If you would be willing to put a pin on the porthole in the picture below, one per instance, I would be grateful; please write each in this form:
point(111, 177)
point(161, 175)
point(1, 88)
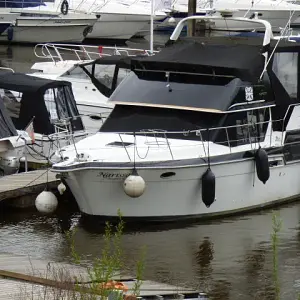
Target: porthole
point(167, 175)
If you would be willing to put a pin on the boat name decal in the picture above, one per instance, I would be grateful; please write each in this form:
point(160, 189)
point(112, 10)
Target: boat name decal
point(112, 176)
point(62, 21)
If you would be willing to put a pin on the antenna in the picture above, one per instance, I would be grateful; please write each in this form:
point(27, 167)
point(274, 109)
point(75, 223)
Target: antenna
point(151, 25)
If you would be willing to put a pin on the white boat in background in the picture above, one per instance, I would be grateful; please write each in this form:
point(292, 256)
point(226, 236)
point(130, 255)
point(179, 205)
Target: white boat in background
point(50, 108)
point(117, 20)
point(75, 65)
point(276, 12)
point(41, 22)
point(206, 127)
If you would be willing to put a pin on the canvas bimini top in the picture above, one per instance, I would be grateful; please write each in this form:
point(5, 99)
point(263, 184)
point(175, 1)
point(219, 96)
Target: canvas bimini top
point(242, 61)
point(28, 84)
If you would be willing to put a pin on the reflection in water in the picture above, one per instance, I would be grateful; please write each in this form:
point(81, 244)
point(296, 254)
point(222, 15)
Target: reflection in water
point(205, 255)
point(230, 259)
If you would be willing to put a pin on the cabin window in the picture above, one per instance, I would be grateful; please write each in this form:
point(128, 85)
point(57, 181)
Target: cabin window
point(11, 100)
point(285, 66)
point(105, 74)
point(121, 75)
point(76, 72)
point(60, 104)
point(49, 98)
point(245, 127)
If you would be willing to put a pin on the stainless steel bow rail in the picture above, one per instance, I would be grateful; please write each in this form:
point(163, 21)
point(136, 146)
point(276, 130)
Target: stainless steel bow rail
point(64, 52)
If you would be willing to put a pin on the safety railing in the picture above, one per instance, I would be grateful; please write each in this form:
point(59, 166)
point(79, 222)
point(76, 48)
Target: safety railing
point(249, 135)
point(63, 52)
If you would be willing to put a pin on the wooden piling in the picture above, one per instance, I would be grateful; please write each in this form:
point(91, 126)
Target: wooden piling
point(192, 9)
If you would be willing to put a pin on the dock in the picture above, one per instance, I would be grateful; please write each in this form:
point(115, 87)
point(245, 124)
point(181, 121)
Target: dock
point(25, 278)
point(27, 183)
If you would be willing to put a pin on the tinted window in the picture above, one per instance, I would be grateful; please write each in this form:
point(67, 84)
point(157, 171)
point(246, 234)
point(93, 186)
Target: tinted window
point(285, 66)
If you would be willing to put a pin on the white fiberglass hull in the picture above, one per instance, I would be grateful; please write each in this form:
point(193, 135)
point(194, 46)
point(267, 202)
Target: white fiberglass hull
point(118, 26)
point(41, 29)
point(277, 18)
point(99, 191)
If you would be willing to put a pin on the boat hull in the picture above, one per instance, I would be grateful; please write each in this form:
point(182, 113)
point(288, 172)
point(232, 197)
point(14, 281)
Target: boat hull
point(44, 34)
point(118, 26)
point(277, 18)
point(39, 29)
point(99, 191)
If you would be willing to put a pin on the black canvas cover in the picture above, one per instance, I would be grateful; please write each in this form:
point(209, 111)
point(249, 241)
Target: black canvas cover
point(34, 104)
point(126, 118)
point(7, 127)
point(179, 95)
point(23, 83)
point(243, 61)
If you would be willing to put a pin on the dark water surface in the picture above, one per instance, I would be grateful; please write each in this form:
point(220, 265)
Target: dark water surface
point(231, 259)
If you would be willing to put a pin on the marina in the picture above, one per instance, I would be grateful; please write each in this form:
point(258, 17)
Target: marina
point(149, 150)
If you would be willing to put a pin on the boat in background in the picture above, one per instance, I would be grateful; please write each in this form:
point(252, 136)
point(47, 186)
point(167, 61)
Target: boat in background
point(7, 21)
point(117, 20)
point(38, 22)
point(49, 105)
point(206, 127)
point(94, 71)
point(277, 12)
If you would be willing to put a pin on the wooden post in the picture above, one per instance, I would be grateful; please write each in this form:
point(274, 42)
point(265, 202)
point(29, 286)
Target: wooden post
point(192, 8)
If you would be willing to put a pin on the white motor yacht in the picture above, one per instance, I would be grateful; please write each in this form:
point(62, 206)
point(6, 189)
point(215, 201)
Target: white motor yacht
point(117, 20)
point(41, 22)
point(206, 127)
point(94, 71)
point(277, 12)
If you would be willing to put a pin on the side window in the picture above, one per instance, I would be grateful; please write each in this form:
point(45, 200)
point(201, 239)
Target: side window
point(285, 66)
point(244, 127)
point(49, 98)
point(104, 74)
point(12, 102)
point(121, 75)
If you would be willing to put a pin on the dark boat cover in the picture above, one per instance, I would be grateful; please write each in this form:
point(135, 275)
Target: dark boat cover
point(28, 84)
point(187, 96)
point(34, 104)
point(243, 61)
